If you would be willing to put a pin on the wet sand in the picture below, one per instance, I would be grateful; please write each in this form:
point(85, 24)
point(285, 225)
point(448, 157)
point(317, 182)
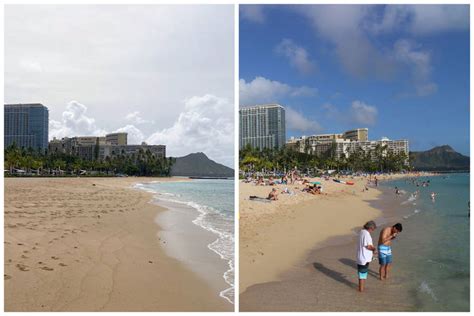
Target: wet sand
point(91, 244)
point(187, 242)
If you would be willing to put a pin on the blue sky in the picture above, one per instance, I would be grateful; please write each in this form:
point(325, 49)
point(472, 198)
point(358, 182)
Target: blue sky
point(401, 71)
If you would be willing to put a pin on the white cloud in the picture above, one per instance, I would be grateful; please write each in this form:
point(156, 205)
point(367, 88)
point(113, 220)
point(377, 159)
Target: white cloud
point(253, 13)
point(421, 19)
point(352, 30)
point(420, 62)
point(30, 65)
point(135, 117)
point(262, 90)
point(297, 55)
point(362, 113)
point(298, 122)
point(440, 18)
point(74, 122)
point(117, 59)
point(342, 26)
point(206, 125)
point(134, 137)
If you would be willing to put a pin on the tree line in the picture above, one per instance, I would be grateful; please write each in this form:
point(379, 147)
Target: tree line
point(30, 161)
point(379, 159)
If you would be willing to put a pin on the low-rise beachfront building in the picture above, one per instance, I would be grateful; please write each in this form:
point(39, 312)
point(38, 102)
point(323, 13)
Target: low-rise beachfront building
point(262, 126)
point(26, 125)
point(345, 144)
point(358, 134)
point(116, 139)
point(101, 147)
point(158, 151)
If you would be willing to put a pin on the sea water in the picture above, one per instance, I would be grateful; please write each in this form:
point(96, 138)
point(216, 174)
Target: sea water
point(214, 202)
point(431, 255)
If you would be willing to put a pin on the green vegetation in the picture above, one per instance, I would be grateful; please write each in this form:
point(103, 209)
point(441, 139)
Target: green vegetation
point(199, 165)
point(441, 158)
point(30, 161)
point(284, 159)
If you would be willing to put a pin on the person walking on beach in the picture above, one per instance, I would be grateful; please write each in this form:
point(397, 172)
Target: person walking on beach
point(385, 248)
point(365, 252)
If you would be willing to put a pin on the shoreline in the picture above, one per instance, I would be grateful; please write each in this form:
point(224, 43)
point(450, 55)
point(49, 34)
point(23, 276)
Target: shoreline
point(185, 238)
point(275, 294)
point(90, 244)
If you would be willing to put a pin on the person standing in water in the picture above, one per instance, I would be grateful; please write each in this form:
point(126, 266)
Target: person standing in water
point(365, 252)
point(385, 248)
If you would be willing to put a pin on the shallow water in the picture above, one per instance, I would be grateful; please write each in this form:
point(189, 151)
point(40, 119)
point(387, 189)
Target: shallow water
point(214, 202)
point(433, 250)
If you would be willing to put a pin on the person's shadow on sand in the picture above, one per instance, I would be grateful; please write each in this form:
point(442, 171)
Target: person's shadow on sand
point(339, 277)
point(353, 264)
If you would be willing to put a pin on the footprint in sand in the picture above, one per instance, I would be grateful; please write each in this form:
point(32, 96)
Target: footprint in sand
point(47, 268)
point(22, 267)
point(62, 264)
point(54, 258)
point(6, 277)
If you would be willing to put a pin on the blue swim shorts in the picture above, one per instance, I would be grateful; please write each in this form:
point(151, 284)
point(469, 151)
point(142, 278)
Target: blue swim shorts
point(385, 255)
point(363, 270)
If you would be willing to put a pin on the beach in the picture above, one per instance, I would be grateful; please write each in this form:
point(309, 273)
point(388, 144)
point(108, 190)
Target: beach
point(198, 227)
point(92, 244)
point(298, 253)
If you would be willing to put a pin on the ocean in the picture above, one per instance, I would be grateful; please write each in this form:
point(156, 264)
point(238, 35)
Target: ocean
point(431, 255)
point(213, 201)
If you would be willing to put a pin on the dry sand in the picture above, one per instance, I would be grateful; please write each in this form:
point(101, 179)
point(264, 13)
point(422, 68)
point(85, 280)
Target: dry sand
point(286, 263)
point(90, 244)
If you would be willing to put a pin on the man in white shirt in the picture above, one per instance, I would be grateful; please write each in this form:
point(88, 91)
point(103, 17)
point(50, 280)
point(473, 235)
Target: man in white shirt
point(365, 252)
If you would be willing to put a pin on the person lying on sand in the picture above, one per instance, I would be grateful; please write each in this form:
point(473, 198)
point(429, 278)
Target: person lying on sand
point(273, 195)
point(385, 248)
point(365, 252)
point(315, 190)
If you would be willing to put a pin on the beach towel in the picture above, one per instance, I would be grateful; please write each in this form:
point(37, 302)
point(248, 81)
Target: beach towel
point(259, 199)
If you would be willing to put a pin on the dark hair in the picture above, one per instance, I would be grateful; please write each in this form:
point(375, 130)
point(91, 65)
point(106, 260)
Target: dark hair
point(370, 224)
point(398, 227)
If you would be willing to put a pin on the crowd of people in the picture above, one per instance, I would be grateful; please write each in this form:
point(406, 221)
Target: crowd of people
point(290, 178)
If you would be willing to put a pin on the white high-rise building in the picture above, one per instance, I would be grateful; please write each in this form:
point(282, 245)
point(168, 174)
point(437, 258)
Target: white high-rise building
point(262, 126)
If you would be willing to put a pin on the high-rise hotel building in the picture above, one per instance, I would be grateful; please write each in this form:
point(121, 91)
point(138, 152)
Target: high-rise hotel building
point(262, 126)
point(26, 125)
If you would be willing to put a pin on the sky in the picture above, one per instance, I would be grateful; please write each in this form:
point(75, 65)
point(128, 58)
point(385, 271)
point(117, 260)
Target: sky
point(402, 71)
point(164, 74)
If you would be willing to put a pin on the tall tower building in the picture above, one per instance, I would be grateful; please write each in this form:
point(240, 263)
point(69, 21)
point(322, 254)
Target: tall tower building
point(26, 125)
point(262, 126)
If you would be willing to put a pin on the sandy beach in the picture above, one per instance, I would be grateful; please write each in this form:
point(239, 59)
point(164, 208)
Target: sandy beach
point(297, 254)
point(91, 244)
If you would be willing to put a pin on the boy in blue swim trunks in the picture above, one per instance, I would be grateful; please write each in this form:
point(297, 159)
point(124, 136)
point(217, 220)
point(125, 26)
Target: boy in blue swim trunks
point(385, 248)
point(365, 252)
